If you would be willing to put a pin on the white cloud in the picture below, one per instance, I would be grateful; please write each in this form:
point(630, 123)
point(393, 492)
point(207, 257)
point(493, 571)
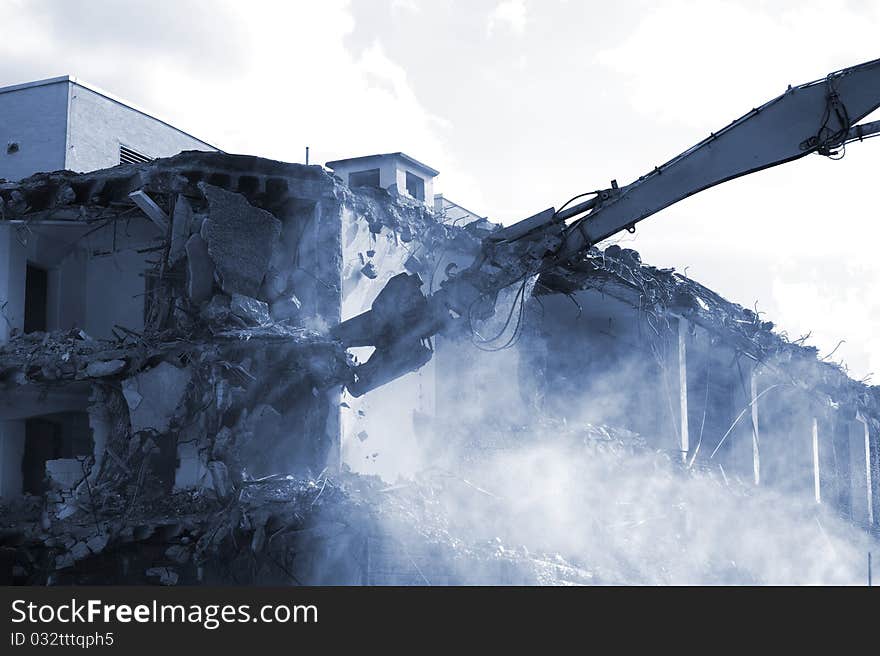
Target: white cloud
point(511, 13)
point(264, 78)
point(700, 62)
point(758, 237)
point(406, 5)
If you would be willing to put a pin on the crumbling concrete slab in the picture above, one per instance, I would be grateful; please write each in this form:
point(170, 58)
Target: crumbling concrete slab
point(153, 396)
point(240, 238)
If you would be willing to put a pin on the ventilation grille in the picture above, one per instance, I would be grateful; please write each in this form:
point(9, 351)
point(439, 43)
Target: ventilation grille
point(129, 156)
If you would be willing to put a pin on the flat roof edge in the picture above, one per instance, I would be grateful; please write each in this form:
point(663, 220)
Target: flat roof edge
point(132, 106)
point(412, 161)
point(105, 94)
point(36, 83)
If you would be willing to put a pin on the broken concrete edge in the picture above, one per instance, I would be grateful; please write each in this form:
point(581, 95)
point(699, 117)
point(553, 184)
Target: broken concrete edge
point(69, 196)
point(216, 204)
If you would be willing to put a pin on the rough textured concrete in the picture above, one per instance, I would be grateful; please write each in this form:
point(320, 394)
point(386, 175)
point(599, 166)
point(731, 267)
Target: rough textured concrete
point(240, 239)
point(153, 396)
point(249, 310)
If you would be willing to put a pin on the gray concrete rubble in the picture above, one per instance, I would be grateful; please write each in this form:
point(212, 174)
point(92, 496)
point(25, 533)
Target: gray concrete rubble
point(240, 239)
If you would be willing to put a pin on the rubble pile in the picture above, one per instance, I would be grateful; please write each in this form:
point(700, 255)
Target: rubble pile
point(344, 529)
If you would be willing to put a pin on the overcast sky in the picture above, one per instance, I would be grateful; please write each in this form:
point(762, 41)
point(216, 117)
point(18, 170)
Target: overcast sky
point(520, 104)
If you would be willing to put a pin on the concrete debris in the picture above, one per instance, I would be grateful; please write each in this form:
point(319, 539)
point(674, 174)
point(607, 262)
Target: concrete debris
point(65, 510)
point(217, 311)
point(249, 310)
point(102, 368)
point(223, 443)
point(179, 554)
point(97, 543)
point(369, 270)
point(220, 479)
point(154, 395)
point(286, 309)
point(414, 265)
point(240, 238)
point(64, 473)
point(80, 550)
point(186, 538)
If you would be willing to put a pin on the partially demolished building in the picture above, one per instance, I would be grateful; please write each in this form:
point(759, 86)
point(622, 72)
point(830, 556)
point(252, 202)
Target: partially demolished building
point(172, 408)
point(737, 396)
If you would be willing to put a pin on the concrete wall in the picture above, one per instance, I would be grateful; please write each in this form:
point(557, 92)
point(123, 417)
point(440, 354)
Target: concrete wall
point(54, 248)
point(98, 125)
point(379, 429)
point(114, 286)
point(95, 280)
point(35, 118)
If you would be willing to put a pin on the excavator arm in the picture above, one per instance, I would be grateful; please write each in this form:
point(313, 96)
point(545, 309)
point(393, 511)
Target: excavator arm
point(818, 117)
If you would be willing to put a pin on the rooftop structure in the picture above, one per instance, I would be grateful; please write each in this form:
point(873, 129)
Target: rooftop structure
point(395, 172)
